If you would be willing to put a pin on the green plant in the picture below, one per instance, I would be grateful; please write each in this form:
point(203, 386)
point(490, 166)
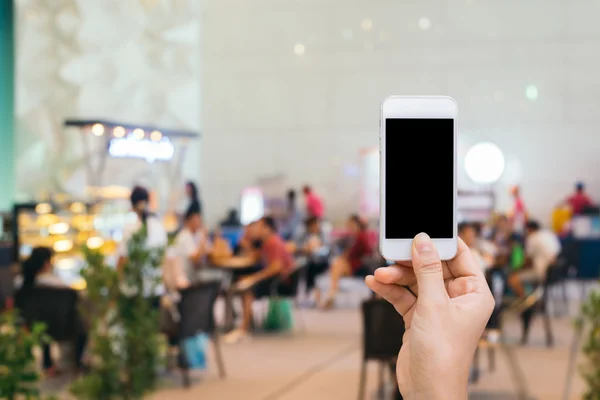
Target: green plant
point(124, 326)
point(591, 348)
point(18, 375)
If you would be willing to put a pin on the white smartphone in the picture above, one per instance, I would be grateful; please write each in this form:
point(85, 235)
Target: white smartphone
point(417, 143)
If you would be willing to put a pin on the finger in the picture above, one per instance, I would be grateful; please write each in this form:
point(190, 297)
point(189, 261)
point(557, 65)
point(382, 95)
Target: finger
point(404, 275)
point(464, 264)
point(400, 297)
point(428, 269)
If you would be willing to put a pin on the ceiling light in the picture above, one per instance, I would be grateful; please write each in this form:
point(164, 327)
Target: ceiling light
point(138, 134)
point(43, 208)
point(156, 136)
point(62, 246)
point(299, 49)
point(424, 23)
point(94, 242)
point(484, 163)
point(98, 129)
point(119, 132)
point(531, 92)
point(59, 228)
point(366, 24)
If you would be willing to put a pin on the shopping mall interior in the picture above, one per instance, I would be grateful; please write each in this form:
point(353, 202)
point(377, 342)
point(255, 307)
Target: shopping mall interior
point(190, 199)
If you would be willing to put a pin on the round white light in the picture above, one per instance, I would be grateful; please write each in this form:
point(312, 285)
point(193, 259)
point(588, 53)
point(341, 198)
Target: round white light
point(484, 163)
point(43, 208)
point(156, 136)
point(60, 228)
point(62, 246)
point(424, 23)
point(366, 24)
point(299, 49)
point(138, 134)
point(98, 129)
point(119, 132)
point(531, 92)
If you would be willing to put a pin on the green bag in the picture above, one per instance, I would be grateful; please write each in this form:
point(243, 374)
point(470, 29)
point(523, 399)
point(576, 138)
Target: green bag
point(279, 317)
point(517, 258)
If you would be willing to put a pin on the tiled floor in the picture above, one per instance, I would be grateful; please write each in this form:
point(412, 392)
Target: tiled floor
point(323, 363)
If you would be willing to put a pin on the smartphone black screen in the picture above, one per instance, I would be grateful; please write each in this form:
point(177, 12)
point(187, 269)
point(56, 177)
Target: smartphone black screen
point(419, 177)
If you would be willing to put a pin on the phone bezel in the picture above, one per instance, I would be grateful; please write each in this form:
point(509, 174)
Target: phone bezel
point(414, 107)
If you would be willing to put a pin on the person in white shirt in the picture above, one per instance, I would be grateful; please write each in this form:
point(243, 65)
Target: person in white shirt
point(156, 234)
point(542, 248)
point(468, 233)
point(190, 251)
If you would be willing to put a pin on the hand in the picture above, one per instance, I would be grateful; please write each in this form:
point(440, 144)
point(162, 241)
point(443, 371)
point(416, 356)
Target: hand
point(444, 318)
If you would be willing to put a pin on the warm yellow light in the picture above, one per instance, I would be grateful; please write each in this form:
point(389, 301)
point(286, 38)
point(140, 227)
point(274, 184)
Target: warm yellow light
point(77, 207)
point(66, 263)
point(138, 133)
point(98, 129)
point(367, 24)
point(95, 242)
point(119, 132)
point(156, 136)
point(43, 208)
point(62, 246)
point(59, 228)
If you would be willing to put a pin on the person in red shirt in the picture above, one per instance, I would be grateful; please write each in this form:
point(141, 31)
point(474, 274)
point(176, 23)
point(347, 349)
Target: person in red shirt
point(352, 261)
point(276, 261)
point(314, 204)
point(579, 200)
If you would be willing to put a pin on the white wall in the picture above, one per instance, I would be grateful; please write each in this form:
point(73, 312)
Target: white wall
point(267, 110)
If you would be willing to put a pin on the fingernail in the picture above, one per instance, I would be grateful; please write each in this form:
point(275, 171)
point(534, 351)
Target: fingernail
point(422, 243)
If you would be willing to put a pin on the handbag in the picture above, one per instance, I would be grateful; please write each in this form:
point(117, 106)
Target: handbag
point(279, 315)
point(194, 349)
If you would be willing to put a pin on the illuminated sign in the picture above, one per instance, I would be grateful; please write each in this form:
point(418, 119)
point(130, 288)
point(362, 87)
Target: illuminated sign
point(149, 150)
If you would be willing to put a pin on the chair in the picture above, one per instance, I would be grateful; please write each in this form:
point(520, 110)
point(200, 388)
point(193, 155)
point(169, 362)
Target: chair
point(57, 308)
point(383, 329)
point(196, 309)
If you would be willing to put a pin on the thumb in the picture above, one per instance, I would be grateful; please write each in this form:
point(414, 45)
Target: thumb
point(428, 270)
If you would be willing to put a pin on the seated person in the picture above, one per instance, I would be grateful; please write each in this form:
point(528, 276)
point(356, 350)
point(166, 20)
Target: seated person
point(541, 249)
point(37, 271)
point(313, 244)
point(276, 261)
point(352, 261)
point(468, 233)
point(188, 253)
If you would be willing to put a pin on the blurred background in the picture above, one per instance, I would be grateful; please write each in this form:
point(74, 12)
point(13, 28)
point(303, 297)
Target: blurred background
point(244, 102)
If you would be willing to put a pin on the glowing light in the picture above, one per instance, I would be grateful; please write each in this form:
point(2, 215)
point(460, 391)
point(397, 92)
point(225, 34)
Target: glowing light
point(424, 23)
point(119, 132)
point(156, 136)
point(138, 133)
point(77, 208)
point(94, 242)
point(484, 163)
point(98, 129)
point(299, 49)
point(146, 149)
point(366, 24)
point(62, 246)
point(531, 92)
point(59, 228)
point(66, 264)
point(43, 208)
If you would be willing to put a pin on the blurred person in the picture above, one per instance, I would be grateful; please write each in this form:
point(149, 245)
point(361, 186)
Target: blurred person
point(232, 220)
point(501, 233)
point(541, 249)
point(156, 235)
point(276, 261)
point(579, 200)
point(486, 248)
point(448, 304)
point(468, 233)
point(352, 261)
point(313, 244)
point(37, 270)
point(191, 249)
point(314, 203)
point(518, 213)
point(292, 218)
point(250, 243)
point(194, 202)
